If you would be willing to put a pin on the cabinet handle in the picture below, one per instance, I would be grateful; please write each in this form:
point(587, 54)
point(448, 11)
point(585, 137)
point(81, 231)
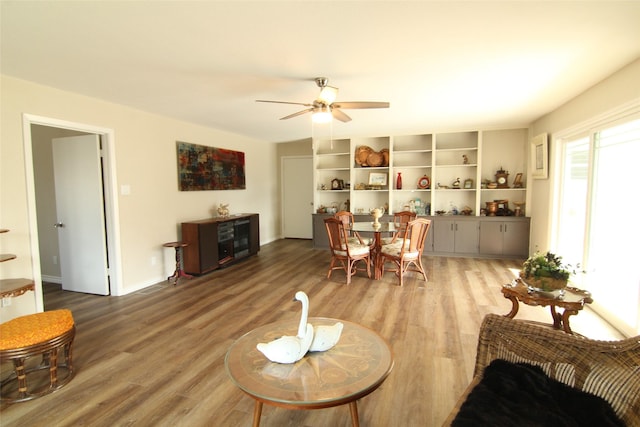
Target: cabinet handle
point(505, 228)
point(451, 227)
point(501, 228)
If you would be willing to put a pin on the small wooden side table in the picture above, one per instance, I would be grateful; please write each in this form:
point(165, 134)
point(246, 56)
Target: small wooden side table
point(572, 302)
point(179, 272)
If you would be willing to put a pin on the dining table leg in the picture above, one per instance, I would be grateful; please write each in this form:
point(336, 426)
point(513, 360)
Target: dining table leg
point(377, 257)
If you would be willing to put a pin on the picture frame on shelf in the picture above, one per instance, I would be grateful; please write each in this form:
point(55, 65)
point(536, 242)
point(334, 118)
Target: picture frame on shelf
point(540, 157)
point(378, 179)
point(517, 181)
point(468, 184)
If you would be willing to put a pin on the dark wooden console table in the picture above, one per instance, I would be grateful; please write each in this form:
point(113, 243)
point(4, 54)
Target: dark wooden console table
point(215, 242)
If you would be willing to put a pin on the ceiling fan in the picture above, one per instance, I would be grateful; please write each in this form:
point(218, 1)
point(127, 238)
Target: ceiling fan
point(325, 106)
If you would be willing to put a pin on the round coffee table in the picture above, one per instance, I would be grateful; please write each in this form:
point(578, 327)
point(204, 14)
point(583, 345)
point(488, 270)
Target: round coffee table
point(355, 367)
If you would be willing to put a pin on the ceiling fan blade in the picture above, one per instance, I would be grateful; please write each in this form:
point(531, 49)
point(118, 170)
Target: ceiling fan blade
point(285, 102)
point(339, 115)
point(299, 113)
point(360, 105)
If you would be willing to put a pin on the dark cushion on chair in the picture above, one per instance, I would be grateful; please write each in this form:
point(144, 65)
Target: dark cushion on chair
point(521, 395)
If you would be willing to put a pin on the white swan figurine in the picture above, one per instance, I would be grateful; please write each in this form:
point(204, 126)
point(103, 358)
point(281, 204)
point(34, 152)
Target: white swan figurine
point(289, 349)
point(326, 336)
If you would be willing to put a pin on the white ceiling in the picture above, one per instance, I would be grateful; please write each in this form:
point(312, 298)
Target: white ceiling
point(441, 65)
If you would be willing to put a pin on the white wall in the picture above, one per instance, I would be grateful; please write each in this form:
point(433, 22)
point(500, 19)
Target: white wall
point(618, 89)
point(145, 157)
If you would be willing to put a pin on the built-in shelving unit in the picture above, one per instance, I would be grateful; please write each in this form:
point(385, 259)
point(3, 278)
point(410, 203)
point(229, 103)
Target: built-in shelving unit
point(469, 158)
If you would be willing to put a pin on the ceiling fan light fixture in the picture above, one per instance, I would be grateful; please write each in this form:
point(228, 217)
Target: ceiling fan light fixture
point(328, 94)
point(322, 114)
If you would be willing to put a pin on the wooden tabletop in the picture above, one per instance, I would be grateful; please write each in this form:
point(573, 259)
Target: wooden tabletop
point(573, 298)
point(355, 367)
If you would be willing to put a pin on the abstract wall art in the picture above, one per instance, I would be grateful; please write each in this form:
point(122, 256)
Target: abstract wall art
point(203, 168)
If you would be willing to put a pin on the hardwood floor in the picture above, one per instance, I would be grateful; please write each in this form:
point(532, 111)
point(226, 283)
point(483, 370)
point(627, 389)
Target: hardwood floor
point(156, 357)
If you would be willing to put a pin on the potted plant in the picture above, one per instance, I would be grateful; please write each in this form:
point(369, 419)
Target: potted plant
point(545, 272)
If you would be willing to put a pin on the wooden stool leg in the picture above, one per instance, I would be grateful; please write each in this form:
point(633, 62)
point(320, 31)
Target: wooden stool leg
point(53, 368)
point(68, 356)
point(21, 375)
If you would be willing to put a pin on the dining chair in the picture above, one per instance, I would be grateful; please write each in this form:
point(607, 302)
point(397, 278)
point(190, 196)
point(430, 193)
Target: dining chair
point(346, 218)
point(345, 255)
point(406, 253)
point(401, 219)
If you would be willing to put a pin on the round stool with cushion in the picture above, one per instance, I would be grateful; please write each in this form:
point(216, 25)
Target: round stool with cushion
point(33, 335)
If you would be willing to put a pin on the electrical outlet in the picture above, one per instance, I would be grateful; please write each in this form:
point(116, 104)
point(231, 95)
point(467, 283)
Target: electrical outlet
point(6, 301)
point(154, 260)
point(55, 260)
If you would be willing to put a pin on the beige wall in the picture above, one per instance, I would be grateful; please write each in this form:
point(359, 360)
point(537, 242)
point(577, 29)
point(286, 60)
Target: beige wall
point(615, 91)
point(145, 159)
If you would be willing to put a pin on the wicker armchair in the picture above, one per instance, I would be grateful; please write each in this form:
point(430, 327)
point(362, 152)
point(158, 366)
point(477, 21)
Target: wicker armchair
point(609, 369)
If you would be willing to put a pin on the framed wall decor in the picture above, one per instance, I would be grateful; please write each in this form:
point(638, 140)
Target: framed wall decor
point(540, 157)
point(203, 168)
point(378, 179)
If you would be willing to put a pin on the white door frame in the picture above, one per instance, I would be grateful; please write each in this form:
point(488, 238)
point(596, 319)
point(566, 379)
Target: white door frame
point(110, 199)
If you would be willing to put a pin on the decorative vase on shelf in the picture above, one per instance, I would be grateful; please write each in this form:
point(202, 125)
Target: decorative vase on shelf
point(492, 208)
point(399, 181)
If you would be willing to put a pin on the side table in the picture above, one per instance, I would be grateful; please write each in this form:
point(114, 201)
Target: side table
point(179, 272)
point(572, 302)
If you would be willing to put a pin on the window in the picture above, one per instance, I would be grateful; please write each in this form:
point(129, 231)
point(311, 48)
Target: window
point(597, 218)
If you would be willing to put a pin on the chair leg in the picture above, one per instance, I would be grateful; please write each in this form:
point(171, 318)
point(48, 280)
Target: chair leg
point(349, 270)
point(421, 268)
point(330, 268)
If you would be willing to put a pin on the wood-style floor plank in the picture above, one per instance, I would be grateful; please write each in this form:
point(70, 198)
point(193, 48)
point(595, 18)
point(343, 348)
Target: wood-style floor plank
point(156, 357)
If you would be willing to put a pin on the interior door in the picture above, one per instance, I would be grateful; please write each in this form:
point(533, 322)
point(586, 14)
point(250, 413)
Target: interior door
point(80, 214)
point(297, 194)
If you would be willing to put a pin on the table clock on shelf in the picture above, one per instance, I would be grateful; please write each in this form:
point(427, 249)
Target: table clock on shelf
point(424, 182)
point(502, 177)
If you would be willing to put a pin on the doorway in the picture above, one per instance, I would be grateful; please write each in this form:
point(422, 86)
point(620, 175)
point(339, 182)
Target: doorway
point(297, 197)
point(40, 224)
